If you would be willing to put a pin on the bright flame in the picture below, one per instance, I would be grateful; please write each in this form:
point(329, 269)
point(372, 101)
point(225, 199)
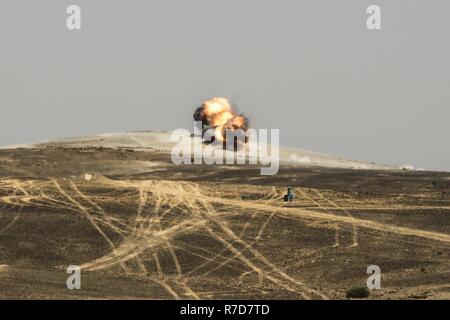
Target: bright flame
point(218, 113)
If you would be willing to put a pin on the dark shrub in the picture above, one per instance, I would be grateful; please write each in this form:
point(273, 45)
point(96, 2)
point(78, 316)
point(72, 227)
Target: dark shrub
point(357, 293)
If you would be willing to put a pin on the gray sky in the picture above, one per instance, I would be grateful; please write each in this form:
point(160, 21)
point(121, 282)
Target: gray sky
point(310, 68)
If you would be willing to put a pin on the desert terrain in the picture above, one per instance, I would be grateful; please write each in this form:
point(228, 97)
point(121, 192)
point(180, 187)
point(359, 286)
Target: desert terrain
point(141, 227)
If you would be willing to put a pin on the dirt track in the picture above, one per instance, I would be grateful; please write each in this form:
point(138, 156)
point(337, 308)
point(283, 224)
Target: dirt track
point(144, 228)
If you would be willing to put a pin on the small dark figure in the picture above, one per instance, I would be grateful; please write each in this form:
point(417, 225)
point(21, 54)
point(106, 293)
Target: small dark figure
point(290, 195)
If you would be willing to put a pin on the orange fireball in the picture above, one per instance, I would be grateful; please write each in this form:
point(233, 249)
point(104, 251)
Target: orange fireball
point(218, 114)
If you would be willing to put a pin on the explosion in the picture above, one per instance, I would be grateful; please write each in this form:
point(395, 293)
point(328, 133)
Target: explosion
point(218, 114)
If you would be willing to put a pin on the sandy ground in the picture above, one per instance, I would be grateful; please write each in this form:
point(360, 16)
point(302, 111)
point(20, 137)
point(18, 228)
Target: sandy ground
point(144, 228)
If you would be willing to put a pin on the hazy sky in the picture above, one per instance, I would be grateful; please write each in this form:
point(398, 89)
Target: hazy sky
point(310, 68)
